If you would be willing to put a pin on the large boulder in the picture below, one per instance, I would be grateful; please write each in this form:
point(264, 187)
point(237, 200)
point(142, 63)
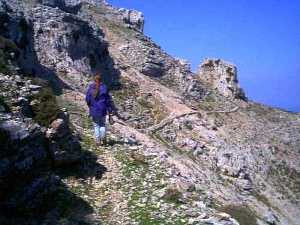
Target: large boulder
point(133, 18)
point(221, 76)
point(64, 147)
point(25, 181)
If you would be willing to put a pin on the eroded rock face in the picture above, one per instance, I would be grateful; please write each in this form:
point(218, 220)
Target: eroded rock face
point(221, 76)
point(54, 43)
point(149, 59)
point(133, 18)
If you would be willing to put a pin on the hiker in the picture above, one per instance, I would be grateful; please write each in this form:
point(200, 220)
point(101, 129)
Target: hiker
point(100, 103)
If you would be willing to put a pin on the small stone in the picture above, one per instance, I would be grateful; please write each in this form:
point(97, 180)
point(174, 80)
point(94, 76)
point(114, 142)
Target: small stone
point(223, 216)
point(33, 87)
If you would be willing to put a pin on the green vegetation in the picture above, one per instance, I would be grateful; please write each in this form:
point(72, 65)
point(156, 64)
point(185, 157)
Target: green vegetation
point(213, 101)
point(172, 195)
point(6, 48)
point(262, 198)
point(114, 26)
point(127, 90)
point(3, 104)
point(286, 178)
point(46, 110)
point(130, 165)
point(143, 106)
point(143, 211)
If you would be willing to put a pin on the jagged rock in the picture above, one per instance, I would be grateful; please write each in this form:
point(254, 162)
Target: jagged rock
point(190, 143)
point(93, 2)
point(153, 68)
point(71, 47)
point(63, 146)
point(271, 218)
point(185, 63)
point(75, 47)
point(24, 181)
point(228, 164)
point(221, 76)
point(133, 18)
point(71, 6)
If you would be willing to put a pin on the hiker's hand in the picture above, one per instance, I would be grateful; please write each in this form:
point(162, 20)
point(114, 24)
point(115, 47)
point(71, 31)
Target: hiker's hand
point(110, 119)
point(117, 115)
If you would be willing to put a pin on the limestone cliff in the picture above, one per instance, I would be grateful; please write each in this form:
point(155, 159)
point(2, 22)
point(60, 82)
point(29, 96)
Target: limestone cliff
point(221, 76)
point(188, 149)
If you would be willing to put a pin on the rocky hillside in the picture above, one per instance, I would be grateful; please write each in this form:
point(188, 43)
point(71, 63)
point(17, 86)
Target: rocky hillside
point(190, 148)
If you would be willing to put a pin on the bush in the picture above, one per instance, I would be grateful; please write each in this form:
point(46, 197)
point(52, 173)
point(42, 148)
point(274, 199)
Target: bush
point(172, 194)
point(47, 109)
point(3, 104)
point(6, 47)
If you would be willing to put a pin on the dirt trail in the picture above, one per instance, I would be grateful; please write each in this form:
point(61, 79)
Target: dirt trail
point(132, 169)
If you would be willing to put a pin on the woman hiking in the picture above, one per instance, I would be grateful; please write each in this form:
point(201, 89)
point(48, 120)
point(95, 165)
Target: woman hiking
point(100, 103)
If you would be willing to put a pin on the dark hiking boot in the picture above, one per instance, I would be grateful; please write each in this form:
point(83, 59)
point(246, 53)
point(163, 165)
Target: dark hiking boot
point(104, 141)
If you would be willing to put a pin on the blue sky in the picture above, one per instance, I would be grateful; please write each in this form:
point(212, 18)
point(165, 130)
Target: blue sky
point(261, 37)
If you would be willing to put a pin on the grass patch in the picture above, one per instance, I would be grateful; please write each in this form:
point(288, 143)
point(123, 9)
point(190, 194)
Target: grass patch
point(118, 28)
point(129, 164)
point(143, 211)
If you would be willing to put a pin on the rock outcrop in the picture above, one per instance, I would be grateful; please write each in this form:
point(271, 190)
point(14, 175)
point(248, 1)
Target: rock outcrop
point(29, 152)
point(63, 147)
point(25, 180)
point(133, 18)
point(221, 76)
point(77, 2)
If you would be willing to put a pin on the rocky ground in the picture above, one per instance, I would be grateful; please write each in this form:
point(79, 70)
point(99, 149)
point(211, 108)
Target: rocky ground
point(189, 148)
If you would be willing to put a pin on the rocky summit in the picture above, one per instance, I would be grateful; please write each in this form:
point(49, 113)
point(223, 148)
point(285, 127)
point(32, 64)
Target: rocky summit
point(187, 148)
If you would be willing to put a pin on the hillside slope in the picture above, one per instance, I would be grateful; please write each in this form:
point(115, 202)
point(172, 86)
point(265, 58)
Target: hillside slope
point(190, 149)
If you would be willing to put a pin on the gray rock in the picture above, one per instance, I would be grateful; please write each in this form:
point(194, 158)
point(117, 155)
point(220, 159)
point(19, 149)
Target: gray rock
point(24, 181)
point(63, 146)
point(271, 219)
point(133, 17)
point(34, 87)
point(221, 76)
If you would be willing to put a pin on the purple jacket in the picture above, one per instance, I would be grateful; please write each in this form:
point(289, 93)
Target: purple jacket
point(100, 105)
